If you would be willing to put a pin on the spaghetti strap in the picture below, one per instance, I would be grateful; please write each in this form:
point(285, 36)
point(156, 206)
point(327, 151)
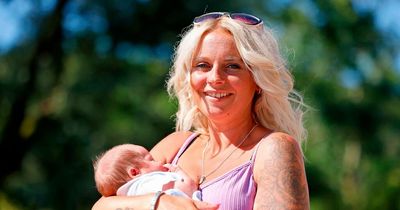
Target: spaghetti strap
point(253, 156)
point(185, 145)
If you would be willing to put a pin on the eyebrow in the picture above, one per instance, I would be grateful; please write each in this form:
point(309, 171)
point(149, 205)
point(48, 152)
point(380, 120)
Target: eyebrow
point(233, 58)
point(228, 58)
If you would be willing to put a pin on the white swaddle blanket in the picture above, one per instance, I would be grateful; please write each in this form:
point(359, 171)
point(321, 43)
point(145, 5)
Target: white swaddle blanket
point(153, 182)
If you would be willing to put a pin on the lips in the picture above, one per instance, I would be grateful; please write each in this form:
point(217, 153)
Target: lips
point(217, 95)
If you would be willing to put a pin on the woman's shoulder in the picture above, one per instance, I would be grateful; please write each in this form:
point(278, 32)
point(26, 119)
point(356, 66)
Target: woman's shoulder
point(279, 142)
point(278, 148)
point(279, 170)
point(166, 149)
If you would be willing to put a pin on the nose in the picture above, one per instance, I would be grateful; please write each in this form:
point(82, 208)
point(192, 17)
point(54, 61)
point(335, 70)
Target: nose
point(215, 76)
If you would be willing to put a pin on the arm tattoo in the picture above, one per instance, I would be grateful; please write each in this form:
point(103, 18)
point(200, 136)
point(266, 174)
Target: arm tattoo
point(283, 177)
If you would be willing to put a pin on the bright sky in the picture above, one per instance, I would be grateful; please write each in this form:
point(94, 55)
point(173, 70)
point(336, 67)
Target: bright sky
point(15, 22)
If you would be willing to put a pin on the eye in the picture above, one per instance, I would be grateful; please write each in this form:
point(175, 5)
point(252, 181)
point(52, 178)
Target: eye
point(233, 67)
point(201, 67)
point(148, 157)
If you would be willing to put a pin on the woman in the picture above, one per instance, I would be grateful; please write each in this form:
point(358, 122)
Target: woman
point(236, 94)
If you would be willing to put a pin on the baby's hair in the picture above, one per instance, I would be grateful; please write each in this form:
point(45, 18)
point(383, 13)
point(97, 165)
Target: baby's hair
point(111, 168)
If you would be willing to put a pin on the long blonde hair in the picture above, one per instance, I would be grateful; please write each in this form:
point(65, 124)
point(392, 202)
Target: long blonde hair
point(278, 107)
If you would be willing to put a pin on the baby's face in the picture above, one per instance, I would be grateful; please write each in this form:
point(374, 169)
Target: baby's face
point(148, 163)
point(145, 154)
point(152, 165)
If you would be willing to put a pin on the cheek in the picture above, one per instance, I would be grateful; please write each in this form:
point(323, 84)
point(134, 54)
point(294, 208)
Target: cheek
point(152, 168)
point(197, 80)
point(245, 87)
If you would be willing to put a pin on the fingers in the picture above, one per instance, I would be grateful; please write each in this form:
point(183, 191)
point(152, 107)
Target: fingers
point(205, 206)
point(188, 204)
point(171, 167)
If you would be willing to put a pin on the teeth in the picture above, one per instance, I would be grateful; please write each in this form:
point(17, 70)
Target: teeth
point(217, 95)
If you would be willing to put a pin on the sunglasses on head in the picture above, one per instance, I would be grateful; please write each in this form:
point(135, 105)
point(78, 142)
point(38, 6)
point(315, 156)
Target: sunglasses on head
point(242, 17)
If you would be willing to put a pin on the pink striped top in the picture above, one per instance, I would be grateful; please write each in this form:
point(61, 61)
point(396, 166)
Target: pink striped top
point(235, 190)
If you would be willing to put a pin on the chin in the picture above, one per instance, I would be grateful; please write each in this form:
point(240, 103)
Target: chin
point(217, 114)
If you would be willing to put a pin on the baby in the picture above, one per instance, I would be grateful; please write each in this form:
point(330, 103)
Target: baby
point(129, 169)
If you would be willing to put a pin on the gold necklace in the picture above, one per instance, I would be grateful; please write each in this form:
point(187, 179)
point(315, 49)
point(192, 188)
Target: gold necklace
point(203, 175)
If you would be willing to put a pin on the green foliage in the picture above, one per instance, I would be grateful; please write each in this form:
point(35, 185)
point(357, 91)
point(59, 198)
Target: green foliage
point(68, 94)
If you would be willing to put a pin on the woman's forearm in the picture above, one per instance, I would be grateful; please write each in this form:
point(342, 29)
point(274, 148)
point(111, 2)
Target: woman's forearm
point(123, 202)
point(165, 202)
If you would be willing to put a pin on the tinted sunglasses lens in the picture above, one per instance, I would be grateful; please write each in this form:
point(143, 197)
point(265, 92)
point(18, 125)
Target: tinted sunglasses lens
point(246, 18)
point(208, 16)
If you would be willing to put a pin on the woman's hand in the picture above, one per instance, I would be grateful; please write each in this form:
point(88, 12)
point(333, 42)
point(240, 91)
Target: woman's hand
point(168, 202)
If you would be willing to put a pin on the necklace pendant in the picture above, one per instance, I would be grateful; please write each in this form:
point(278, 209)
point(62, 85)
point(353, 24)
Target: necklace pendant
point(202, 179)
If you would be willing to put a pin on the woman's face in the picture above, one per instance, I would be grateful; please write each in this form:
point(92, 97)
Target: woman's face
point(223, 86)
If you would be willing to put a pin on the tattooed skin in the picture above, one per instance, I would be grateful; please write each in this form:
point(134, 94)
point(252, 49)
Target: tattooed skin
point(282, 183)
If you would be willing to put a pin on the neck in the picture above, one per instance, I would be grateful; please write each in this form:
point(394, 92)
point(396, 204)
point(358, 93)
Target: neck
point(224, 136)
point(204, 175)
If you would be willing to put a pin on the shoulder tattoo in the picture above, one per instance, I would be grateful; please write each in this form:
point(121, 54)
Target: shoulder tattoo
point(283, 177)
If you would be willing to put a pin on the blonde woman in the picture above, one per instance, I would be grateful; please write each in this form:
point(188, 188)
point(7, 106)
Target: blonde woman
point(239, 125)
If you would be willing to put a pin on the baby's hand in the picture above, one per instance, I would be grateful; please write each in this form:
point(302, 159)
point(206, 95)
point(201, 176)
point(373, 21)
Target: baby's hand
point(171, 167)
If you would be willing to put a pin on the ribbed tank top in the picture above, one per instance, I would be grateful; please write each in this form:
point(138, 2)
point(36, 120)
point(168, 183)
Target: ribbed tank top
point(234, 190)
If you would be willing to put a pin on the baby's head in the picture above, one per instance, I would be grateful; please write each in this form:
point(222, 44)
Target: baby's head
point(120, 164)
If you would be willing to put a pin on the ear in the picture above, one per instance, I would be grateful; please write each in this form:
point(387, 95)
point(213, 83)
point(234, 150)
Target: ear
point(258, 90)
point(133, 172)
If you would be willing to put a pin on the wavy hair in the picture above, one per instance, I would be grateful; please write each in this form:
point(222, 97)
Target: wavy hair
point(278, 107)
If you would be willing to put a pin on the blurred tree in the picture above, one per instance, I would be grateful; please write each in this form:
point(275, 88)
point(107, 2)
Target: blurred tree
point(345, 67)
point(13, 146)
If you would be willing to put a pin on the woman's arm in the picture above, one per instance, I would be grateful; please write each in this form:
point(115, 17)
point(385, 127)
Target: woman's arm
point(166, 202)
point(164, 151)
point(280, 174)
point(123, 202)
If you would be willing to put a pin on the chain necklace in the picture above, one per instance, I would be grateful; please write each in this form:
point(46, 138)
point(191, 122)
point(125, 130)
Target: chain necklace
point(203, 175)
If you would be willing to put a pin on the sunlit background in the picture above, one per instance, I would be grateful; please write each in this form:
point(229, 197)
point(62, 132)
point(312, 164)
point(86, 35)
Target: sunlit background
point(79, 76)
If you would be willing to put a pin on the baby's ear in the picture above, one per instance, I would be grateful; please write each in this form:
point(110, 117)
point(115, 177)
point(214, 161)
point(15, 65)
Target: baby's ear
point(133, 172)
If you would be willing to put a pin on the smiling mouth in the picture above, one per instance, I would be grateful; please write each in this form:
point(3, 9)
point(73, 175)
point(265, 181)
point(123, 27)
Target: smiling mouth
point(218, 95)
